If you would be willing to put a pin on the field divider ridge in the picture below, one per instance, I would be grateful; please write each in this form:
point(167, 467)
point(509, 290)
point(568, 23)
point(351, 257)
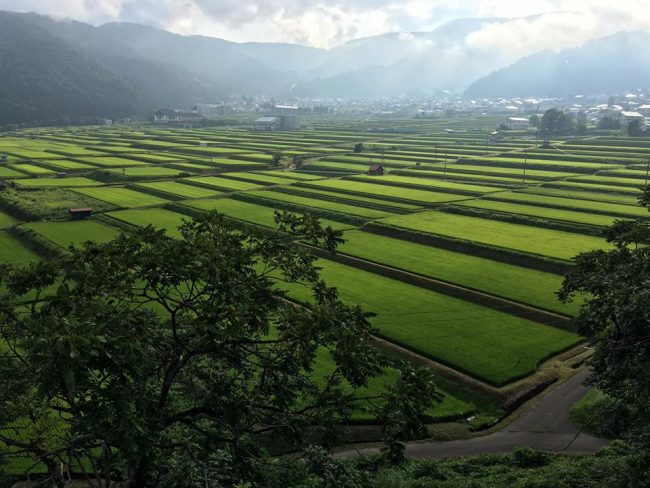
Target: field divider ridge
point(456, 291)
point(538, 262)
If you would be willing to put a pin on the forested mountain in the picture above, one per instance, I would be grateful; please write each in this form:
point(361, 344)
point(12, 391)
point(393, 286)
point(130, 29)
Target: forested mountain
point(43, 78)
point(607, 65)
point(53, 70)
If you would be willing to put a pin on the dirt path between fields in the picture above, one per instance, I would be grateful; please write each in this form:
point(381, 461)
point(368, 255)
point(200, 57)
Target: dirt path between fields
point(546, 426)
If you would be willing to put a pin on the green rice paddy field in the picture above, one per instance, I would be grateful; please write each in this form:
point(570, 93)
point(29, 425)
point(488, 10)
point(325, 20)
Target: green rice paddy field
point(122, 197)
point(540, 212)
point(528, 286)
point(179, 189)
point(460, 334)
point(517, 237)
point(377, 190)
point(13, 251)
point(65, 234)
point(487, 344)
point(158, 217)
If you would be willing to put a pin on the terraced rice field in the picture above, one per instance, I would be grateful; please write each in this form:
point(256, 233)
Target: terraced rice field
point(574, 184)
point(521, 238)
point(224, 184)
point(561, 194)
point(65, 234)
point(179, 189)
point(7, 173)
point(523, 285)
point(158, 217)
point(157, 172)
point(291, 175)
point(65, 165)
point(265, 179)
point(248, 212)
point(122, 197)
point(592, 187)
point(6, 220)
point(78, 182)
point(557, 214)
point(462, 335)
point(32, 169)
point(350, 198)
point(307, 202)
point(13, 251)
point(408, 181)
point(385, 191)
point(608, 208)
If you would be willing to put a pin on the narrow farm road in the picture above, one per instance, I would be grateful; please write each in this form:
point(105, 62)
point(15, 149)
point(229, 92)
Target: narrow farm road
point(546, 426)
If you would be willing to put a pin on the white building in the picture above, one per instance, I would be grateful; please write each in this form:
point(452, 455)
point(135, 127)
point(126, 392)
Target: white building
point(277, 122)
point(210, 109)
point(163, 116)
point(516, 123)
point(268, 123)
point(630, 116)
point(644, 110)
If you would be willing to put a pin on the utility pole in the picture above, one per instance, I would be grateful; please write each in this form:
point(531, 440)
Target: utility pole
point(523, 179)
point(124, 172)
point(647, 171)
point(444, 171)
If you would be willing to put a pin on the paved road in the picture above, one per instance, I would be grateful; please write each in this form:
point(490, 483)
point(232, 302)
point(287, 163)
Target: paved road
point(546, 426)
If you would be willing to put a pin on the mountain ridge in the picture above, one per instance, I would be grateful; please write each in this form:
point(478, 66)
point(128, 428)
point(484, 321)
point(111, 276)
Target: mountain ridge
point(142, 68)
point(600, 66)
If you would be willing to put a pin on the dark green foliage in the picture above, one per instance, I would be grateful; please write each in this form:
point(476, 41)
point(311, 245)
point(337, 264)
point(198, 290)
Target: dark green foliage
point(46, 204)
point(522, 469)
point(600, 415)
point(43, 78)
point(634, 128)
point(581, 125)
point(555, 123)
point(615, 316)
point(608, 123)
point(58, 73)
point(166, 362)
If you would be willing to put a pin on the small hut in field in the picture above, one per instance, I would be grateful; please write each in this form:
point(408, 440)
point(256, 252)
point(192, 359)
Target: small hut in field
point(80, 213)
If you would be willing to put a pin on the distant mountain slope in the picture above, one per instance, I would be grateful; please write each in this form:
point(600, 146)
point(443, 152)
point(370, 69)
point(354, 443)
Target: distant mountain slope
point(43, 78)
point(406, 63)
point(59, 70)
point(607, 65)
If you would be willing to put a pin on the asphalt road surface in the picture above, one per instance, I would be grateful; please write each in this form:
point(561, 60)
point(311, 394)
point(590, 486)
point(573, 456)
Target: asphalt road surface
point(546, 426)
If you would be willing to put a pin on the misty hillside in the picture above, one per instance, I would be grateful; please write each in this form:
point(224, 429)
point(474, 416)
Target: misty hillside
point(59, 70)
point(611, 64)
point(43, 78)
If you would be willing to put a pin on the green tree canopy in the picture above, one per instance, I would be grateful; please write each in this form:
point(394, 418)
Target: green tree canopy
point(555, 123)
point(616, 316)
point(170, 362)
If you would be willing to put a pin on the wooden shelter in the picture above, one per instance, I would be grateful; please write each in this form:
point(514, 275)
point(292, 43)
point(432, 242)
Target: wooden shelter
point(80, 213)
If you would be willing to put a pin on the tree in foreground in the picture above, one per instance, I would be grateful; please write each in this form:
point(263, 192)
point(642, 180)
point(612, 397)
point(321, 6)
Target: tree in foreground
point(616, 315)
point(153, 361)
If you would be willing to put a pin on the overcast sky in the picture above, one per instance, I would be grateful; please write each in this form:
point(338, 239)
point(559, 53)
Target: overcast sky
point(565, 23)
